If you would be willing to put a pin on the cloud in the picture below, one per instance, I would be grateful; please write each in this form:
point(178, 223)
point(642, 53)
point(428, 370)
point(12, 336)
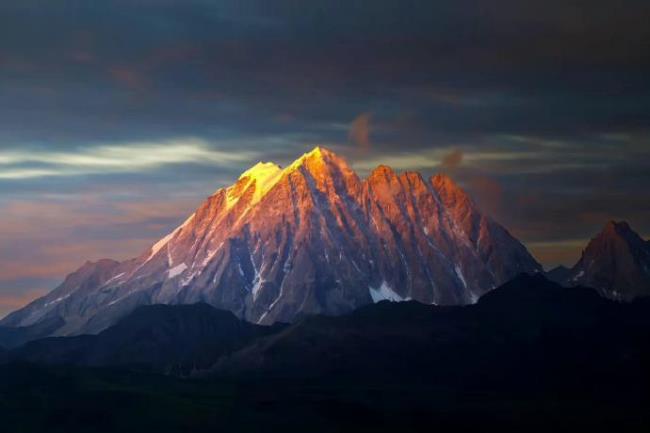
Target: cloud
point(449, 158)
point(360, 131)
point(488, 192)
point(43, 241)
point(553, 253)
point(12, 299)
point(129, 77)
point(452, 160)
point(118, 158)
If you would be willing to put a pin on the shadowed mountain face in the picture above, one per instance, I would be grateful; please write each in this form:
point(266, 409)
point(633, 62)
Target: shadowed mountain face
point(308, 239)
point(161, 338)
point(616, 263)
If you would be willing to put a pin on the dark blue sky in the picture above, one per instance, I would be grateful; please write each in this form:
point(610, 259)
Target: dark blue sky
point(118, 117)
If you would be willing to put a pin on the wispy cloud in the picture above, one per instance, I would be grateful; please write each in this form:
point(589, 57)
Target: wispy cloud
point(114, 158)
point(360, 131)
point(452, 160)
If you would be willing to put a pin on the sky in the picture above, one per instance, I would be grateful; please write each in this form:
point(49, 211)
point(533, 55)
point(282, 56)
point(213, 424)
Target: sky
point(117, 118)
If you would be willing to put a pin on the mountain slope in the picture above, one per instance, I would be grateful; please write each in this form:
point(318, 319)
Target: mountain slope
point(15, 336)
point(616, 262)
point(162, 338)
point(308, 239)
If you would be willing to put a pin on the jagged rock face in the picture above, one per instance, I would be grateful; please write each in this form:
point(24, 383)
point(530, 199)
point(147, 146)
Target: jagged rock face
point(312, 238)
point(616, 262)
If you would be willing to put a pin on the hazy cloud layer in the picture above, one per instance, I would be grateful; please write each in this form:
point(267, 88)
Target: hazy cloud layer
point(120, 158)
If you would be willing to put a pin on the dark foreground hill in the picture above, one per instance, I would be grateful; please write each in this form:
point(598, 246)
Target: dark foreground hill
point(530, 356)
point(16, 336)
point(161, 338)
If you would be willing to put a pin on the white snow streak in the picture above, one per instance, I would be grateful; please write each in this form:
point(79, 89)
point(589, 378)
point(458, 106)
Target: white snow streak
point(580, 274)
point(57, 300)
point(176, 270)
point(385, 293)
point(459, 273)
point(113, 279)
point(164, 241)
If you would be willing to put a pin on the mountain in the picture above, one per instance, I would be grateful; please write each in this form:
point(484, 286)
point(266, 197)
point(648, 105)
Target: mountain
point(311, 238)
point(161, 338)
point(616, 263)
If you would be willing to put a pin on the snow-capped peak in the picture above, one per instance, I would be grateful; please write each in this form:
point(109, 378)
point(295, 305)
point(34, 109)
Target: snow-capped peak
point(265, 175)
point(316, 153)
point(262, 171)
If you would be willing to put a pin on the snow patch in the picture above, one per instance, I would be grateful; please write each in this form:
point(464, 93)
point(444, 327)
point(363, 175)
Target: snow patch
point(286, 267)
point(579, 275)
point(114, 278)
point(385, 293)
point(121, 298)
point(164, 241)
point(459, 273)
point(57, 300)
point(185, 281)
point(208, 257)
point(176, 270)
point(257, 285)
point(264, 174)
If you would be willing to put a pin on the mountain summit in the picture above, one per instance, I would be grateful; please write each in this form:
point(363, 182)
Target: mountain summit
point(616, 262)
point(309, 238)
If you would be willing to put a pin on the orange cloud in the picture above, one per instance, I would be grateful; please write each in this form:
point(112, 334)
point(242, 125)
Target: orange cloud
point(50, 239)
point(552, 254)
point(452, 160)
point(57, 259)
point(488, 192)
point(360, 131)
point(12, 301)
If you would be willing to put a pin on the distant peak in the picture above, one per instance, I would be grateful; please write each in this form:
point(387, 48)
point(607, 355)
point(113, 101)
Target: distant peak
point(316, 151)
point(412, 176)
point(382, 170)
point(318, 154)
point(263, 176)
point(443, 179)
point(619, 229)
point(617, 226)
point(321, 151)
point(445, 184)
